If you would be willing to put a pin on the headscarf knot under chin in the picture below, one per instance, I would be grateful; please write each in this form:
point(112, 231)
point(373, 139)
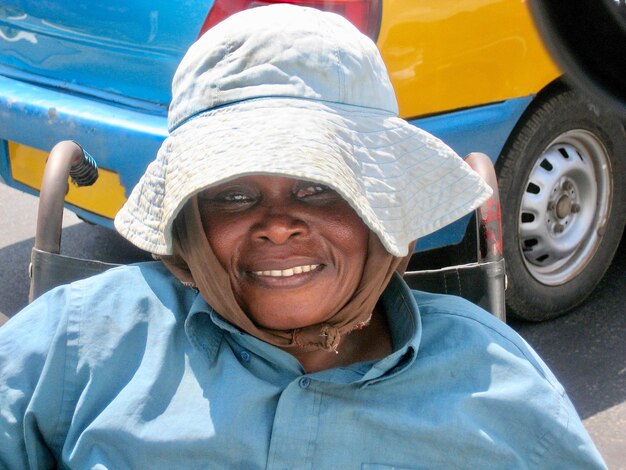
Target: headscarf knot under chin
point(328, 340)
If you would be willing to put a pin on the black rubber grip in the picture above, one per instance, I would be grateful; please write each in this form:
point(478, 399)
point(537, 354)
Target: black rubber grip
point(85, 172)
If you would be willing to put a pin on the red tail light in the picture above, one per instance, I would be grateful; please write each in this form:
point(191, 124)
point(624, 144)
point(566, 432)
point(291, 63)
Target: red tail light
point(364, 14)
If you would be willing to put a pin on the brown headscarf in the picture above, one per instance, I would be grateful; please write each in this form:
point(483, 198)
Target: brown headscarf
point(195, 264)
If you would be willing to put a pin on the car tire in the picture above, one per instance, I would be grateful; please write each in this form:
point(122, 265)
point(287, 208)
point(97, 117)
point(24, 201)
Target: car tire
point(562, 178)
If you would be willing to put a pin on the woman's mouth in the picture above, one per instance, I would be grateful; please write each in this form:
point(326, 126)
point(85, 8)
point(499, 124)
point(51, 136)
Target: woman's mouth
point(305, 268)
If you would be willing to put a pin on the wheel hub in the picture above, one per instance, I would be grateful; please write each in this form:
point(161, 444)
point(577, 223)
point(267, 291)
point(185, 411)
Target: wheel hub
point(561, 207)
point(564, 207)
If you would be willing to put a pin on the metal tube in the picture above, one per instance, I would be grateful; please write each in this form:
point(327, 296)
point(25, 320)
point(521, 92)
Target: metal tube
point(54, 187)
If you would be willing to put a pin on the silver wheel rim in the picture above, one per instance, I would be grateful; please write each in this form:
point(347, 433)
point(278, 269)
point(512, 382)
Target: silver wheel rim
point(565, 206)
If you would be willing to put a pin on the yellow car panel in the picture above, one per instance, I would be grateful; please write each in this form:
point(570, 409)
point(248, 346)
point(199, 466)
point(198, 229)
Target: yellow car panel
point(105, 197)
point(450, 54)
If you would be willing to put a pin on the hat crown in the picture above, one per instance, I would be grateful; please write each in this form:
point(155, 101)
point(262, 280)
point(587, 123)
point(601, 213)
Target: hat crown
point(280, 51)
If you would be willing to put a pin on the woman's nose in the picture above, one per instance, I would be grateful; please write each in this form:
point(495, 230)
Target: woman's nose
point(279, 228)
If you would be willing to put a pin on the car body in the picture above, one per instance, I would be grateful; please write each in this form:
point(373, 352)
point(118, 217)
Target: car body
point(99, 73)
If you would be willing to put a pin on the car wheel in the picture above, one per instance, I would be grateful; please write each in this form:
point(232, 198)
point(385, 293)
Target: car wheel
point(561, 178)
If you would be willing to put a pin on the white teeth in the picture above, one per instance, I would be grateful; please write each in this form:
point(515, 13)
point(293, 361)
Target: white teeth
point(287, 272)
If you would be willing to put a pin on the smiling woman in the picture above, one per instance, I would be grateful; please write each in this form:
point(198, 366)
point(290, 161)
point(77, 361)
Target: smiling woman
point(285, 243)
point(276, 331)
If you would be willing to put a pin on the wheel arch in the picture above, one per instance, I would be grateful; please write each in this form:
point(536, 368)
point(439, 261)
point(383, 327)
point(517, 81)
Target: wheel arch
point(558, 85)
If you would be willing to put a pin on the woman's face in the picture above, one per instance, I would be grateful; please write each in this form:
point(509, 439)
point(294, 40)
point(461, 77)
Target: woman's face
point(294, 250)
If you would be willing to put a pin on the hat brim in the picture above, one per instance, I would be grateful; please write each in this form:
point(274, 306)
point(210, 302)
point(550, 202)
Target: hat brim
point(403, 182)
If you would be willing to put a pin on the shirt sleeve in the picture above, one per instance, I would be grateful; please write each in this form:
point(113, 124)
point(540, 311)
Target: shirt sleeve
point(568, 445)
point(565, 442)
point(518, 398)
point(34, 361)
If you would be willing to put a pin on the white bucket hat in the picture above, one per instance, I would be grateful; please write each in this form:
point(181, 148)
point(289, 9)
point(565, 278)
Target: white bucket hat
point(294, 91)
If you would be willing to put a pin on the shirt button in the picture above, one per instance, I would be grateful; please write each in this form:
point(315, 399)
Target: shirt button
point(305, 382)
point(245, 356)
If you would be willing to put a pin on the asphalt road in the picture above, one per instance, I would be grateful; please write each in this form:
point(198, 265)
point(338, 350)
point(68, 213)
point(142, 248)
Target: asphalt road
point(585, 349)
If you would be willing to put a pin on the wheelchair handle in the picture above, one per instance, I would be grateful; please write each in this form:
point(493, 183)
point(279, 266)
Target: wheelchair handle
point(490, 220)
point(66, 159)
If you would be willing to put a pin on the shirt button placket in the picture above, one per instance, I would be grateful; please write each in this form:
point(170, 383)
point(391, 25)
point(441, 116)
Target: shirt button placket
point(295, 426)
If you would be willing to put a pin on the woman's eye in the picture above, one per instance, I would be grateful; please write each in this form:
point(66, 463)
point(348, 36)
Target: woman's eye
point(228, 198)
point(312, 189)
point(234, 197)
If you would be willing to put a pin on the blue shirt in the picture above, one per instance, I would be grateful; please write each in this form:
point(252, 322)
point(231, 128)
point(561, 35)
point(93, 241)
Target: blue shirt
point(130, 369)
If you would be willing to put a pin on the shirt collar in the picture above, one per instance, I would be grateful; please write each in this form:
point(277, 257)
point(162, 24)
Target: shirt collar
point(405, 326)
point(201, 330)
point(206, 329)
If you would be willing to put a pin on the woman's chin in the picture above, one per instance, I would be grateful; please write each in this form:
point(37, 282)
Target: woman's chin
point(296, 306)
point(286, 316)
